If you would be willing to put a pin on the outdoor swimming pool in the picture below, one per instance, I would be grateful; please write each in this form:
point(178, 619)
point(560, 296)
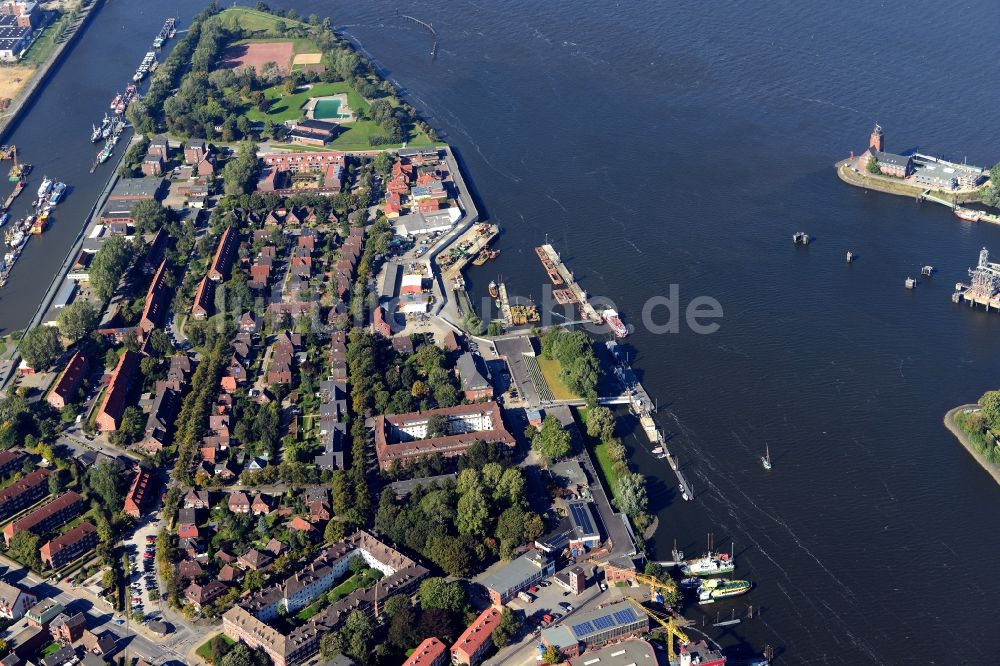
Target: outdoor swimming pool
point(328, 108)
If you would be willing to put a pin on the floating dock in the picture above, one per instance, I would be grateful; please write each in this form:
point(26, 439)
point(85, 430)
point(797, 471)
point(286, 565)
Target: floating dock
point(505, 305)
point(643, 407)
point(563, 278)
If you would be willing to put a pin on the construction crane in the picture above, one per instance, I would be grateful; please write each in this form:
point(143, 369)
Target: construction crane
point(669, 625)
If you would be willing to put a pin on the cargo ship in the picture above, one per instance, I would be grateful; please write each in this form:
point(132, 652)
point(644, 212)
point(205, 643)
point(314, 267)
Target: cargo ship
point(712, 564)
point(712, 590)
point(614, 322)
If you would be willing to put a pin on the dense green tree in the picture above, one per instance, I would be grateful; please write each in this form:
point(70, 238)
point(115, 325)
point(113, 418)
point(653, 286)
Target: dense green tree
point(40, 347)
point(510, 626)
point(24, 548)
point(149, 215)
point(630, 494)
point(990, 402)
point(78, 319)
point(552, 442)
point(240, 173)
point(601, 423)
point(404, 630)
point(105, 479)
point(439, 593)
point(108, 266)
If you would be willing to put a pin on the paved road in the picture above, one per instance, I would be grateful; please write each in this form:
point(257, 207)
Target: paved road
point(100, 616)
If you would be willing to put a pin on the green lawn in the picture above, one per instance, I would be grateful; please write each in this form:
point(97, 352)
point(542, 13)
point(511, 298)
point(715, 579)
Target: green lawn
point(309, 611)
point(46, 43)
point(205, 649)
point(289, 107)
point(253, 20)
point(345, 588)
point(354, 136)
point(599, 452)
point(550, 370)
point(50, 649)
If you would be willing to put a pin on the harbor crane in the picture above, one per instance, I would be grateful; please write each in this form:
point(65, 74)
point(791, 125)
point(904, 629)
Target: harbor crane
point(669, 625)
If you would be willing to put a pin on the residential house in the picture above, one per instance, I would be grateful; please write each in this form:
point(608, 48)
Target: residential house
point(69, 382)
point(15, 602)
point(118, 392)
point(67, 547)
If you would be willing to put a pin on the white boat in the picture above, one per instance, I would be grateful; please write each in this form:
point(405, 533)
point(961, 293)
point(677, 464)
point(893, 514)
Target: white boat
point(658, 449)
point(712, 564)
point(44, 188)
point(765, 459)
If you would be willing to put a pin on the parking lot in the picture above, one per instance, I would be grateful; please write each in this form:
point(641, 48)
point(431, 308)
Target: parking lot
point(142, 569)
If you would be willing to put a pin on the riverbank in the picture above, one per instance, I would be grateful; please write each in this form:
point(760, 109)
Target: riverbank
point(27, 92)
point(870, 181)
point(963, 437)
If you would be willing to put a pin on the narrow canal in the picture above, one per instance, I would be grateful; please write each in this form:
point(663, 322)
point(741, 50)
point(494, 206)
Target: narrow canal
point(53, 135)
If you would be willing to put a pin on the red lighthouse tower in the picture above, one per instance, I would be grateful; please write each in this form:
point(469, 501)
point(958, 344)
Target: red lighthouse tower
point(877, 140)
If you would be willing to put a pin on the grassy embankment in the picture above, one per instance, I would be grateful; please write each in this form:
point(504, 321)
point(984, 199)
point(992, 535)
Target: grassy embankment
point(550, 368)
point(599, 453)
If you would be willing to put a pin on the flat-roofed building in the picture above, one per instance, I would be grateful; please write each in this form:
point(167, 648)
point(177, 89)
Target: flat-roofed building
point(506, 581)
point(596, 627)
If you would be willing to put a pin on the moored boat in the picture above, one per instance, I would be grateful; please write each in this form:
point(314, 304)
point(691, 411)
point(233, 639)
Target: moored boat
point(614, 322)
point(494, 289)
point(58, 190)
point(967, 214)
point(712, 564)
point(45, 187)
point(712, 590)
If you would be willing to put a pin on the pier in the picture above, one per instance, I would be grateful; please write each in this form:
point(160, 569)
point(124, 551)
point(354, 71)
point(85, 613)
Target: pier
point(984, 286)
point(643, 407)
point(551, 260)
point(508, 320)
point(430, 29)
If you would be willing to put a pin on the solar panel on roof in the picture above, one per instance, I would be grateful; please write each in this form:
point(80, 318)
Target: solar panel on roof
point(582, 517)
point(583, 629)
point(604, 622)
point(625, 616)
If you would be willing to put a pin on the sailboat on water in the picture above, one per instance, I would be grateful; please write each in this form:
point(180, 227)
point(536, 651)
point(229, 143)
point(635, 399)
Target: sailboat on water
point(765, 459)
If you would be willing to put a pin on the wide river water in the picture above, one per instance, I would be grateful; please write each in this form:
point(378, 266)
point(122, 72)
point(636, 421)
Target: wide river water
point(682, 144)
